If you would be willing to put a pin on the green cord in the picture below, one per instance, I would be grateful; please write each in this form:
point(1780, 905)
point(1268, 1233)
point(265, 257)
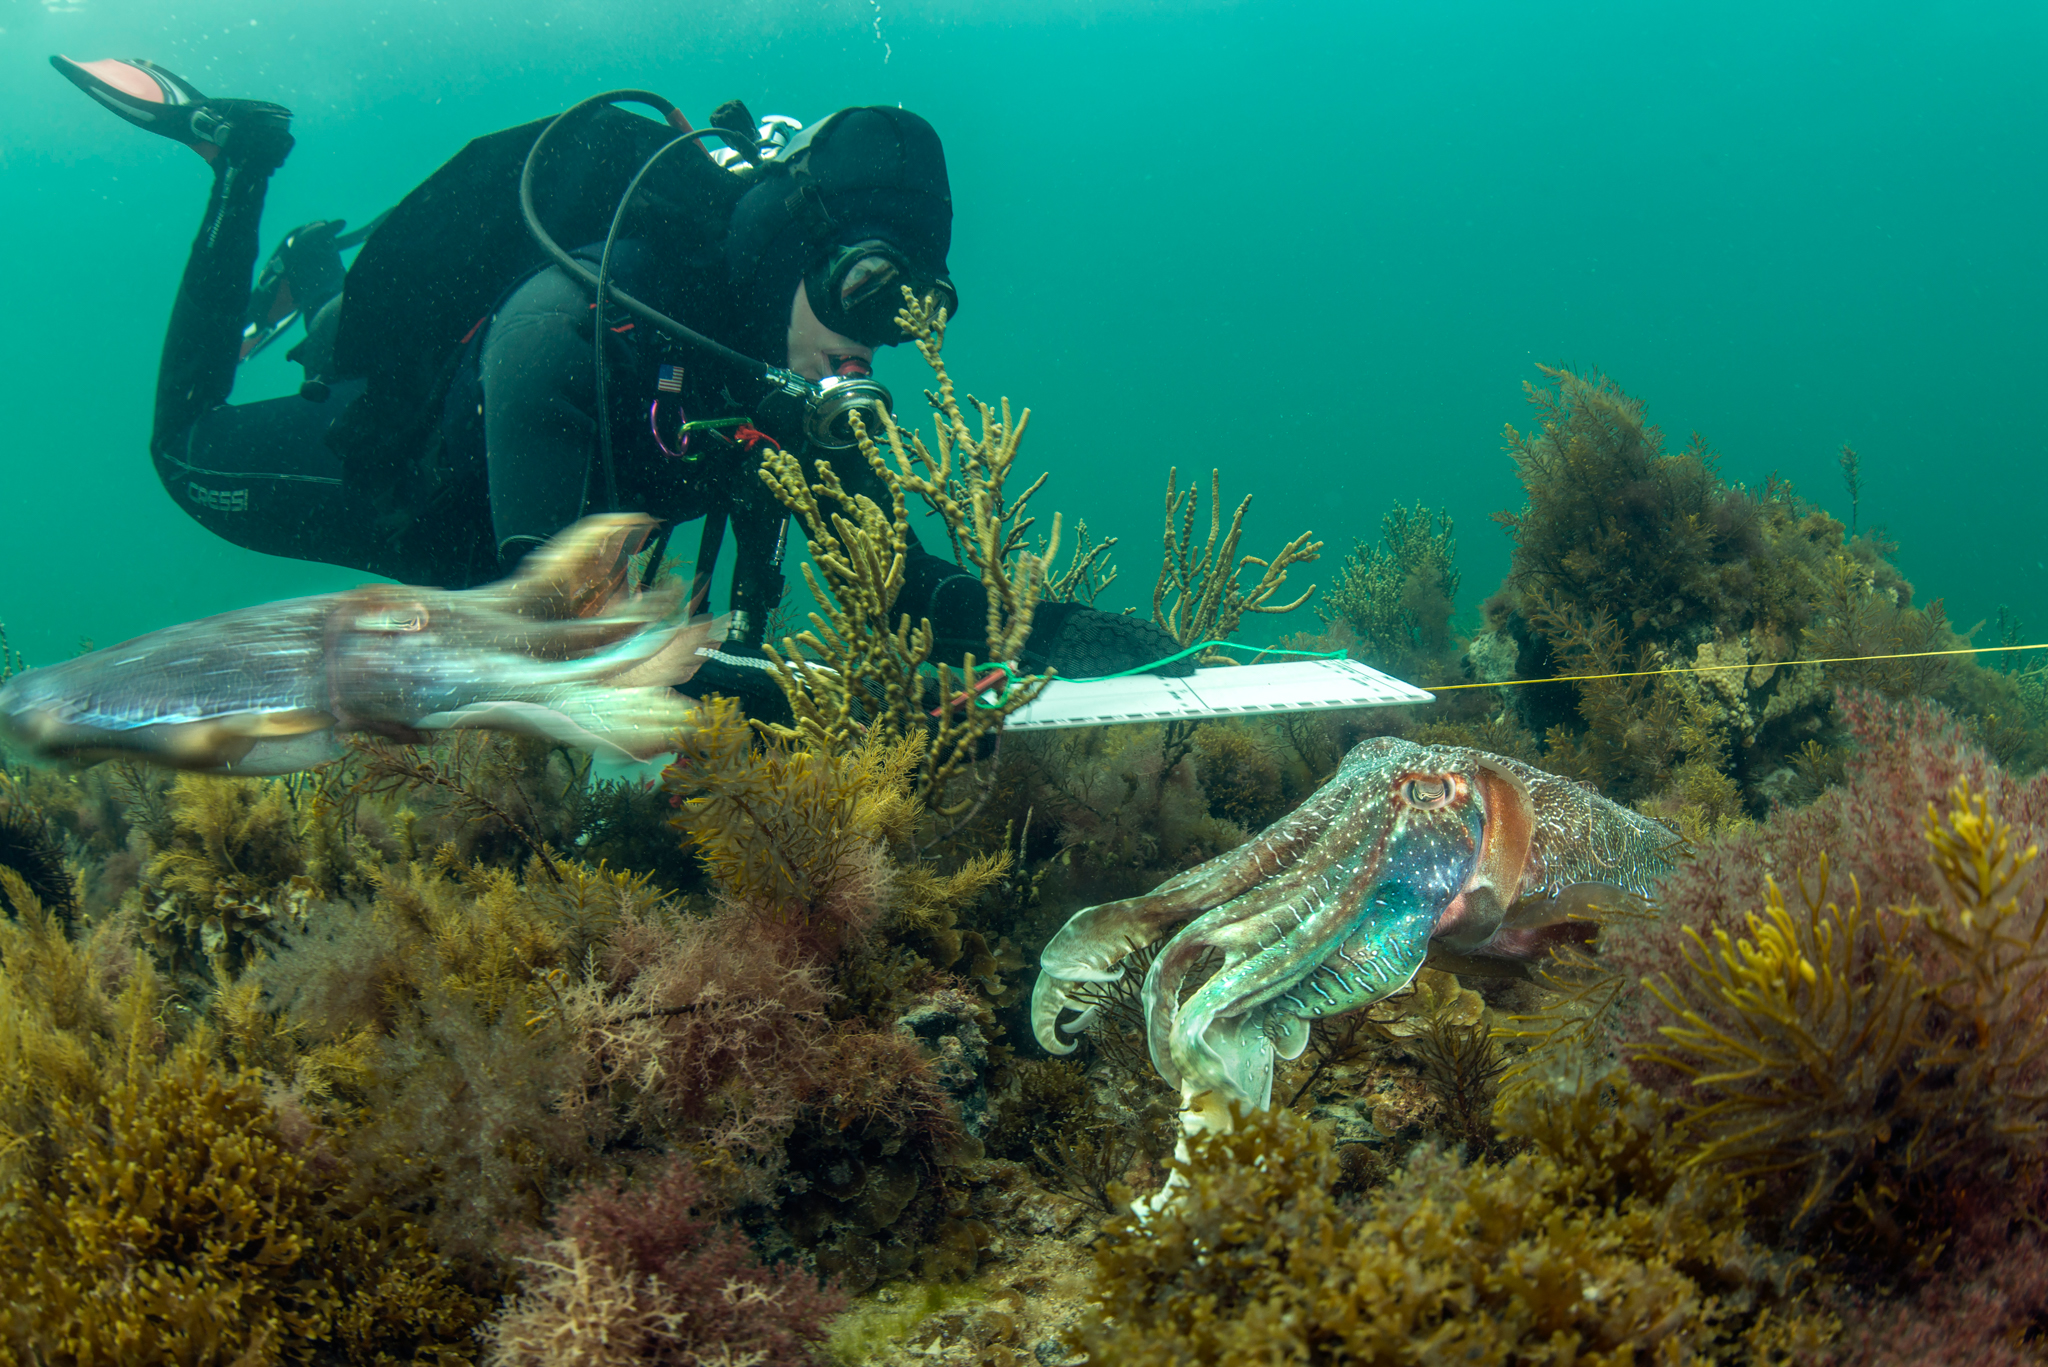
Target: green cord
point(713, 424)
point(1205, 645)
point(1011, 676)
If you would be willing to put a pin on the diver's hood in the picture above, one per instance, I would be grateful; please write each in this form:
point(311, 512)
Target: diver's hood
point(867, 172)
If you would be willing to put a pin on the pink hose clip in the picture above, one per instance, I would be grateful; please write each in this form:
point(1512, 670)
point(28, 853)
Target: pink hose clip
point(654, 426)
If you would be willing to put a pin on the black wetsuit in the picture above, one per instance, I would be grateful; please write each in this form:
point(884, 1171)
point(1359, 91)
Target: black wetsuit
point(516, 438)
point(448, 472)
point(258, 474)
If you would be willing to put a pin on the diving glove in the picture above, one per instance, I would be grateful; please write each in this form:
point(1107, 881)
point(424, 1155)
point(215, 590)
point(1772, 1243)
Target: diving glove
point(254, 135)
point(1082, 643)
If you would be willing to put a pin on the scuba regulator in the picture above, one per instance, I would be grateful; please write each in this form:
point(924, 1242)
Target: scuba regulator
point(822, 410)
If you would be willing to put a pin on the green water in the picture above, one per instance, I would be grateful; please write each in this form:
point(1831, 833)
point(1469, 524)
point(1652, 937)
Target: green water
point(1315, 245)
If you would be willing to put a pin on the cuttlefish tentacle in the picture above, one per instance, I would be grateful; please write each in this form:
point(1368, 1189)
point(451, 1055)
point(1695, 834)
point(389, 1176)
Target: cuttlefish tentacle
point(1220, 1037)
point(1408, 852)
point(567, 649)
point(1090, 946)
point(1280, 868)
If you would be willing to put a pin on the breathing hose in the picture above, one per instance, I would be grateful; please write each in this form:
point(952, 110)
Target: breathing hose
point(603, 284)
point(744, 365)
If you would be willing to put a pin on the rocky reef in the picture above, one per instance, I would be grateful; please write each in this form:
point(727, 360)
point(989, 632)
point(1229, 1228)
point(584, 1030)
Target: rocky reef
point(1672, 638)
point(459, 1054)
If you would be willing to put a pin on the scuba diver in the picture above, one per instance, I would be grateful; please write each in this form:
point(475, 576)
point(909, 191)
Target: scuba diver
point(472, 387)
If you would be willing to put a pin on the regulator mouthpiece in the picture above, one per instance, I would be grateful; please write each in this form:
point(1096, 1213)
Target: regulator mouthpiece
point(829, 423)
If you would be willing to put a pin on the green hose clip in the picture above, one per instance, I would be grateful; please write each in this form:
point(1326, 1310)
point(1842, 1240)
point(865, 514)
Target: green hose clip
point(1011, 676)
point(691, 428)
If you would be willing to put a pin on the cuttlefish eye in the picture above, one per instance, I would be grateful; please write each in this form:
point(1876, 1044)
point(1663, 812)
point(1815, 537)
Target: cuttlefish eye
point(1429, 791)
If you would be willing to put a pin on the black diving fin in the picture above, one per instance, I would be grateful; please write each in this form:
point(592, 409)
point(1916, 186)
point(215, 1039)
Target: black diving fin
point(254, 134)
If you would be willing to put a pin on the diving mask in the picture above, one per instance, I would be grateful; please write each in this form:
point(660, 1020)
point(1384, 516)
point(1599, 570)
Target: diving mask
point(857, 291)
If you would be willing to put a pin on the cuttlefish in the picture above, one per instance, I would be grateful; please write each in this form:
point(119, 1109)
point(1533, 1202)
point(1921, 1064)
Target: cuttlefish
point(568, 649)
point(1410, 853)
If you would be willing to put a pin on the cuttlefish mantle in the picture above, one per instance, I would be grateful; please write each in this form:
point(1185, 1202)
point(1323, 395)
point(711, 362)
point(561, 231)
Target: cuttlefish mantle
point(568, 648)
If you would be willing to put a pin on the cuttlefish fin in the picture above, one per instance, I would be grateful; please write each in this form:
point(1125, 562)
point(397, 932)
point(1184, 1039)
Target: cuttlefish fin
point(287, 755)
point(195, 744)
point(296, 721)
point(199, 745)
point(217, 744)
point(1587, 904)
point(226, 743)
point(632, 724)
point(1476, 965)
point(527, 719)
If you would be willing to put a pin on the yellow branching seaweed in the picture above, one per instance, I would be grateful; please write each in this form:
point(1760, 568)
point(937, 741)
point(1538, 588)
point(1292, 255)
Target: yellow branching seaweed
point(176, 1228)
point(459, 772)
point(234, 864)
point(1873, 1053)
point(1201, 595)
point(65, 1007)
point(481, 933)
point(258, 1038)
point(962, 476)
point(783, 827)
point(151, 1209)
point(856, 668)
point(1593, 1246)
point(1087, 574)
point(803, 834)
point(465, 943)
point(1813, 1031)
point(926, 900)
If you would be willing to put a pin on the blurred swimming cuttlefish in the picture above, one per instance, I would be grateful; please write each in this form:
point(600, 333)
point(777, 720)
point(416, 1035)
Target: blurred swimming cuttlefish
point(1409, 854)
point(567, 649)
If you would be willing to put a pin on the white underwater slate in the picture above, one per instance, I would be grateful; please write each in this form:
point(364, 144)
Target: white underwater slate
point(1244, 690)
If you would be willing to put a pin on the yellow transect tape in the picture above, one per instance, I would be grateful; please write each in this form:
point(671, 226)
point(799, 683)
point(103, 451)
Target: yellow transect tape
point(1711, 669)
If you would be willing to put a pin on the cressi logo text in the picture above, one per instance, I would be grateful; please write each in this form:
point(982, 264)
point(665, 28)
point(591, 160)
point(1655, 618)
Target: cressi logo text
point(220, 500)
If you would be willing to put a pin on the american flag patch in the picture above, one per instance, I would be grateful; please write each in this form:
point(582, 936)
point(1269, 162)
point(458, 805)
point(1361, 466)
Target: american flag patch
point(670, 380)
